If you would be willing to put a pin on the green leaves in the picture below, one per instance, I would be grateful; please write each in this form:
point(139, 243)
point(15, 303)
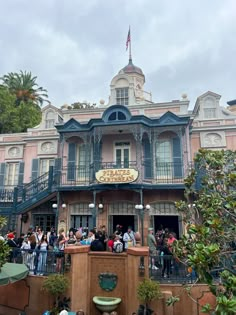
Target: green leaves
point(16, 119)
point(210, 217)
point(4, 248)
point(24, 87)
point(172, 300)
point(56, 284)
point(148, 291)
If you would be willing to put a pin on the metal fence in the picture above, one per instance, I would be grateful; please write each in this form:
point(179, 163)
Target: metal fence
point(168, 269)
point(41, 262)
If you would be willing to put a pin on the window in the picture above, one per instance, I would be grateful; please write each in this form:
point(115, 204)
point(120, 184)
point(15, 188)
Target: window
point(210, 113)
point(209, 108)
point(50, 120)
point(122, 154)
point(45, 221)
point(44, 165)
point(12, 174)
point(164, 158)
point(122, 96)
point(117, 116)
point(82, 172)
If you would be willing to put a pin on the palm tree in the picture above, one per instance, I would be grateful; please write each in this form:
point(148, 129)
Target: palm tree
point(24, 87)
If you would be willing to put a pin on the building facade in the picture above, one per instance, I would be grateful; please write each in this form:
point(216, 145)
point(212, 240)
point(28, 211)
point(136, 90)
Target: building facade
point(123, 162)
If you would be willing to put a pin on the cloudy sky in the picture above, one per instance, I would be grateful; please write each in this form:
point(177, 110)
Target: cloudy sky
point(75, 47)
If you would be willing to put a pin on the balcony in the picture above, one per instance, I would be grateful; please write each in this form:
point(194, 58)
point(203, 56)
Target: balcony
point(165, 173)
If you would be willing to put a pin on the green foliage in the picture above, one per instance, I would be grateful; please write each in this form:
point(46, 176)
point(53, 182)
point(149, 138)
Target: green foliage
point(17, 118)
point(148, 291)
point(210, 217)
point(56, 284)
point(4, 252)
point(82, 105)
point(172, 300)
point(4, 248)
point(24, 87)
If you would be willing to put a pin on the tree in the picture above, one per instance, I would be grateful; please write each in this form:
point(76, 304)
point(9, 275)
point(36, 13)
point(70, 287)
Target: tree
point(17, 118)
point(56, 285)
point(210, 217)
point(24, 87)
point(4, 248)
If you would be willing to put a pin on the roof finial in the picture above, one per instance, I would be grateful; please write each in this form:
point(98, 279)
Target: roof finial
point(128, 44)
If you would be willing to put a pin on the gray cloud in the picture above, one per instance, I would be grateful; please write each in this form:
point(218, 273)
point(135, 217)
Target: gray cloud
point(76, 47)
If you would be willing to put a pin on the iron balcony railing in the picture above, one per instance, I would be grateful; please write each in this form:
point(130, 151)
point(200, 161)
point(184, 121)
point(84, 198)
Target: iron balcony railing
point(157, 173)
point(40, 262)
point(6, 196)
point(168, 269)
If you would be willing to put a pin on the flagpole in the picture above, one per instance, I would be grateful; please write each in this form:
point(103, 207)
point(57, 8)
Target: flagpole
point(130, 56)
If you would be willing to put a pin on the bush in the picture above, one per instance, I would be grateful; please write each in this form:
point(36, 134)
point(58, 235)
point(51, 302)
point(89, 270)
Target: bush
point(148, 291)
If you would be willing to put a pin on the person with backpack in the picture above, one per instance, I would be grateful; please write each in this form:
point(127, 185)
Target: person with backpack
point(118, 245)
point(96, 244)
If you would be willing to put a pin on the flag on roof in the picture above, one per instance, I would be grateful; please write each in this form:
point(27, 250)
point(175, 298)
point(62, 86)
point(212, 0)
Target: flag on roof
point(128, 39)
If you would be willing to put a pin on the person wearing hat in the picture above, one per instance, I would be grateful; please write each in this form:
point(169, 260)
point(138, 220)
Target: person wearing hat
point(129, 238)
point(151, 241)
point(11, 242)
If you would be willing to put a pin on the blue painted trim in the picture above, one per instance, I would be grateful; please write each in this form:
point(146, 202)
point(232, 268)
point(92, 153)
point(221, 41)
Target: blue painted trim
point(122, 187)
point(168, 119)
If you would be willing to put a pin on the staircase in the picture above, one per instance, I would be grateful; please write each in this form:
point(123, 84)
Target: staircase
point(35, 192)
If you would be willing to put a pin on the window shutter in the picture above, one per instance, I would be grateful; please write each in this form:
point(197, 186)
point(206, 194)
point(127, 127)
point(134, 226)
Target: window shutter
point(2, 174)
point(35, 169)
point(177, 158)
point(57, 170)
point(147, 158)
point(71, 161)
point(21, 173)
point(97, 155)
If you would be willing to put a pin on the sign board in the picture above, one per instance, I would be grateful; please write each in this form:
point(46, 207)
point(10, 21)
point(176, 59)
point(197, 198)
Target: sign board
point(116, 176)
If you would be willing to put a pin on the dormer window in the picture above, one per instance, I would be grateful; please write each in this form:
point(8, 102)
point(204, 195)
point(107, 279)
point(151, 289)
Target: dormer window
point(117, 116)
point(50, 120)
point(209, 108)
point(122, 96)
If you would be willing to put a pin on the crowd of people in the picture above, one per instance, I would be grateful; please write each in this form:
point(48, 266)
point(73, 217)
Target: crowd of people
point(161, 250)
point(32, 248)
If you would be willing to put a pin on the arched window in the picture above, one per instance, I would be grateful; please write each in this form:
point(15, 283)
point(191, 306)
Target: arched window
point(117, 116)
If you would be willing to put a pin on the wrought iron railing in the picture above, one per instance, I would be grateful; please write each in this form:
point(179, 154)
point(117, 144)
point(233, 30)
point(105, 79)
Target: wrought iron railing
point(6, 196)
point(41, 262)
point(168, 269)
point(29, 190)
point(160, 173)
point(115, 165)
point(76, 175)
point(169, 172)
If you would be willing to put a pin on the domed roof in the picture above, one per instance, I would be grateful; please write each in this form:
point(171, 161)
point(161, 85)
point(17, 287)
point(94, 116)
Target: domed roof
point(131, 68)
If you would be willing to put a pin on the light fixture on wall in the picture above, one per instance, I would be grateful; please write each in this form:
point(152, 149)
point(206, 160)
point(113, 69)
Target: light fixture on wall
point(94, 210)
point(56, 210)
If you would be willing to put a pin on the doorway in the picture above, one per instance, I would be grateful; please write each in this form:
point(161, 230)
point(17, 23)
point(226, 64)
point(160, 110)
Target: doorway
point(124, 221)
point(168, 221)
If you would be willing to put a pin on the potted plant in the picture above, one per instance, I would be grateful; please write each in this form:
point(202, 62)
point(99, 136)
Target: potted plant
point(147, 291)
point(56, 285)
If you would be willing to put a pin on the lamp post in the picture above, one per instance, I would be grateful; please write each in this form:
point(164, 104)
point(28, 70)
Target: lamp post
point(56, 210)
point(140, 208)
point(94, 211)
